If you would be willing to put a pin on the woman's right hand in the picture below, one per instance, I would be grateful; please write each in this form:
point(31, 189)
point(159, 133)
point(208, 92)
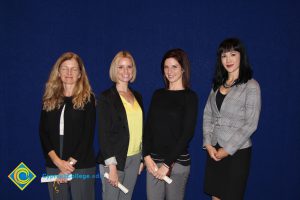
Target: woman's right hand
point(64, 166)
point(151, 165)
point(113, 175)
point(212, 152)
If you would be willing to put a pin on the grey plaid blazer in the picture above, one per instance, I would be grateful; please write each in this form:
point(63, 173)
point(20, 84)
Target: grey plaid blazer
point(232, 126)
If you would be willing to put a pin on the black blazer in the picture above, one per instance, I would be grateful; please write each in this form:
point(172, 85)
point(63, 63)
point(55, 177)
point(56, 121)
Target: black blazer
point(113, 126)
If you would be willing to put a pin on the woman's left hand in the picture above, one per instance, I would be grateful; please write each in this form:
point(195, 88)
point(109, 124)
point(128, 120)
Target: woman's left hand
point(162, 172)
point(62, 178)
point(221, 153)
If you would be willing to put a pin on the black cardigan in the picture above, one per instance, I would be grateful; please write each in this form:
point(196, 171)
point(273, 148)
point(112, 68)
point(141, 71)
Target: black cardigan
point(113, 127)
point(79, 127)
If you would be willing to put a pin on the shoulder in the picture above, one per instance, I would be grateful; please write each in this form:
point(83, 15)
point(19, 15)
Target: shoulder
point(252, 87)
point(191, 94)
point(92, 98)
point(159, 92)
point(252, 84)
point(91, 102)
point(107, 94)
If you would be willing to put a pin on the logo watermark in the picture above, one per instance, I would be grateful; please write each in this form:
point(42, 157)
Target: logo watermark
point(21, 176)
point(53, 177)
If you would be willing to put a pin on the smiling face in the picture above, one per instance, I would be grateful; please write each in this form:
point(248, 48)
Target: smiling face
point(69, 72)
point(173, 71)
point(231, 61)
point(124, 71)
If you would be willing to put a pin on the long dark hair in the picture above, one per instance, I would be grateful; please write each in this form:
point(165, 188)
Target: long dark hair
point(183, 60)
point(245, 71)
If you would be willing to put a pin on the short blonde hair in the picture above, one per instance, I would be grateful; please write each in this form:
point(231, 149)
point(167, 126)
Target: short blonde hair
point(114, 65)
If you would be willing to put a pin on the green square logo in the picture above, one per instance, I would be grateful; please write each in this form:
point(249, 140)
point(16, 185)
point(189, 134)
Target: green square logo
point(21, 176)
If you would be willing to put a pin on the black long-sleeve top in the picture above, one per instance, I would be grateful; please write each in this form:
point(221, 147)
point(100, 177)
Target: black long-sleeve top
point(170, 125)
point(79, 126)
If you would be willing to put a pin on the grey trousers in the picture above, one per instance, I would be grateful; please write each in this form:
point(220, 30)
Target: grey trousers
point(160, 190)
point(81, 187)
point(127, 178)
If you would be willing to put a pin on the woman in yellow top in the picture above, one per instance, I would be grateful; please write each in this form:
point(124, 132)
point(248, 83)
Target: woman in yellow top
point(120, 129)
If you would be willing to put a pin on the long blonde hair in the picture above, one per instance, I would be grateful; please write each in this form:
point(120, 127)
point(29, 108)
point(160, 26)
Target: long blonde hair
point(54, 91)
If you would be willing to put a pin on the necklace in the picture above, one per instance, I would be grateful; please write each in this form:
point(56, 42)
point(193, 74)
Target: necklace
point(225, 85)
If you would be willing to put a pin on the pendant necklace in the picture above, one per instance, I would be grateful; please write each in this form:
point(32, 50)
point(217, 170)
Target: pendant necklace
point(225, 85)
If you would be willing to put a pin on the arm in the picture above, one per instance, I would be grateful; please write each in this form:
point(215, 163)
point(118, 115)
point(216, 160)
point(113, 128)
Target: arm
point(207, 122)
point(208, 128)
point(147, 141)
point(105, 121)
point(44, 135)
point(106, 145)
point(252, 106)
point(147, 135)
point(86, 137)
point(139, 98)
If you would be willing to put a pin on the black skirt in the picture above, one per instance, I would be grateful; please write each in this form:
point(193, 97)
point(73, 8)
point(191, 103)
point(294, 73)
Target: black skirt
point(227, 179)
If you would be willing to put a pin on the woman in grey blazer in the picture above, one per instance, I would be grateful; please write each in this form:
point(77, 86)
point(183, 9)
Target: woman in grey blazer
point(230, 117)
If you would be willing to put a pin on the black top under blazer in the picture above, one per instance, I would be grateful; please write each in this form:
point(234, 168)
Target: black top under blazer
point(113, 127)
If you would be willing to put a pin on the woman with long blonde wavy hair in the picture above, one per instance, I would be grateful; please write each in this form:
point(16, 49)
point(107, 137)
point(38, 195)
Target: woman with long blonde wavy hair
point(54, 92)
point(67, 129)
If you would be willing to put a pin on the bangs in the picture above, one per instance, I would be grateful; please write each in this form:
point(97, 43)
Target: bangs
point(229, 45)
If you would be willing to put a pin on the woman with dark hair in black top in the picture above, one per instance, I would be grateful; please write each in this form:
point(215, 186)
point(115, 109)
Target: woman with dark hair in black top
point(169, 128)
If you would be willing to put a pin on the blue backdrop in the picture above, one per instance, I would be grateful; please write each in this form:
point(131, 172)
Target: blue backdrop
point(35, 33)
